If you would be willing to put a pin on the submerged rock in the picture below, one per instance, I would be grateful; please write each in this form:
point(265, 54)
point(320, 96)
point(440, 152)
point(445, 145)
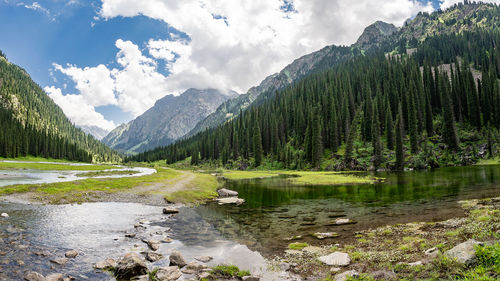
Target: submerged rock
point(223, 192)
point(54, 277)
point(192, 268)
point(204, 258)
point(106, 264)
point(336, 258)
point(129, 266)
point(170, 210)
point(465, 252)
point(177, 259)
point(34, 276)
point(59, 261)
point(152, 244)
point(168, 273)
point(71, 254)
point(250, 278)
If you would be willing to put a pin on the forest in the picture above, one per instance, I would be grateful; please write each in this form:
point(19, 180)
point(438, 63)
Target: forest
point(32, 124)
point(434, 105)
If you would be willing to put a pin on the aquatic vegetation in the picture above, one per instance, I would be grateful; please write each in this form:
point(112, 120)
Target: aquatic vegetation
point(297, 245)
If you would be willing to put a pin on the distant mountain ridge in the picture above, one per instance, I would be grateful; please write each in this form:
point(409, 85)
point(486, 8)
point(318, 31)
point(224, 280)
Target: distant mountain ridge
point(98, 132)
point(169, 119)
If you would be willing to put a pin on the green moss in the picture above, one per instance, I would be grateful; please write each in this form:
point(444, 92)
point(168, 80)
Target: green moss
point(228, 271)
point(297, 245)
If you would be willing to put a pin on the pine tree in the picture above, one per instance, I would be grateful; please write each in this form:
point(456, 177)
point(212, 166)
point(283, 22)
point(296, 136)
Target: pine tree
point(317, 142)
point(412, 120)
point(399, 140)
point(389, 128)
point(449, 129)
point(351, 136)
point(257, 145)
point(376, 142)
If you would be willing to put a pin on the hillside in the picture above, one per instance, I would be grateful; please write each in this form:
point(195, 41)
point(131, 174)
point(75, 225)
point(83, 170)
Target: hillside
point(33, 124)
point(169, 119)
point(373, 111)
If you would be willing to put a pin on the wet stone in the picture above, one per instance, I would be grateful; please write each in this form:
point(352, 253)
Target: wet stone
point(168, 273)
point(106, 264)
point(54, 277)
point(170, 210)
point(204, 258)
point(34, 276)
point(59, 261)
point(152, 257)
point(71, 254)
point(177, 259)
point(129, 266)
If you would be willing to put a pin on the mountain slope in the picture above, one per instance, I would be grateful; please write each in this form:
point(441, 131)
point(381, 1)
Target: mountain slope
point(169, 119)
point(98, 132)
point(33, 124)
point(325, 58)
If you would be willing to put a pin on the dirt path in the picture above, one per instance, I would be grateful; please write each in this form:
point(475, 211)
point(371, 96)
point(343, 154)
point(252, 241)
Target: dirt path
point(170, 186)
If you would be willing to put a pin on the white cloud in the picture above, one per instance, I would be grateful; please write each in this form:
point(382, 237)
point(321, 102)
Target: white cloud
point(249, 40)
point(95, 84)
point(231, 45)
point(36, 7)
point(77, 109)
point(448, 3)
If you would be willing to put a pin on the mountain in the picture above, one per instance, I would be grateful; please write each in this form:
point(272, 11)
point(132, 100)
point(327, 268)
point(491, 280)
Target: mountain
point(325, 58)
point(384, 107)
point(169, 119)
point(31, 123)
point(98, 132)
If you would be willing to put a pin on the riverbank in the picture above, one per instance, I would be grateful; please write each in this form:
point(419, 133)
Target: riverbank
point(166, 185)
point(409, 251)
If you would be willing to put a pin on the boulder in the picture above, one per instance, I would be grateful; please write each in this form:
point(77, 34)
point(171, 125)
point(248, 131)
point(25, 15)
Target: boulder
point(324, 235)
point(250, 278)
point(152, 244)
point(71, 254)
point(192, 268)
point(54, 277)
point(384, 275)
point(345, 275)
point(223, 192)
point(336, 258)
point(59, 261)
point(5, 215)
point(284, 266)
point(34, 276)
point(129, 266)
point(230, 200)
point(152, 256)
point(106, 264)
point(170, 210)
point(168, 273)
point(177, 259)
point(464, 253)
point(204, 258)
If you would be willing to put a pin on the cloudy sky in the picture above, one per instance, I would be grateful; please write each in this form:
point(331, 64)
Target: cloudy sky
point(106, 62)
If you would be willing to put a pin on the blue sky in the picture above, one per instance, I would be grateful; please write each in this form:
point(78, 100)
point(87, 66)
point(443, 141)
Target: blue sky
point(105, 62)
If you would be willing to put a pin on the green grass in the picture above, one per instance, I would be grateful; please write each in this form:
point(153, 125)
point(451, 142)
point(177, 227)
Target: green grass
point(297, 245)
point(490, 161)
point(304, 177)
point(203, 187)
point(228, 271)
point(59, 167)
point(106, 173)
point(37, 159)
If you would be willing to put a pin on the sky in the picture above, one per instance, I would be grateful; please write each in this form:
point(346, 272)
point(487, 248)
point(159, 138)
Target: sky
point(105, 62)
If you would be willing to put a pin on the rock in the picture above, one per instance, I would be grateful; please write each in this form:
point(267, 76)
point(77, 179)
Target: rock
point(59, 261)
point(129, 266)
point(345, 275)
point(230, 200)
point(152, 244)
point(170, 210)
point(313, 250)
point(336, 258)
point(284, 266)
point(223, 192)
point(296, 237)
point(168, 273)
point(431, 252)
point(42, 253)
point(141, 278)
point(335, 269)
point(192, 268)
point(204, 258)
point(71, 254)
point(5, 215)
point(54, 277)
point(130, 235)
point(293, 252)
point(344, 221)
point(167, 240)
point(34, 276)
point(152, 257)
point(106, 264)
point(384, 275)
point(177, 259)
point(464, 253)
point(204, 275)
point(324, 235)
point(250, 278)
point(415, 263)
